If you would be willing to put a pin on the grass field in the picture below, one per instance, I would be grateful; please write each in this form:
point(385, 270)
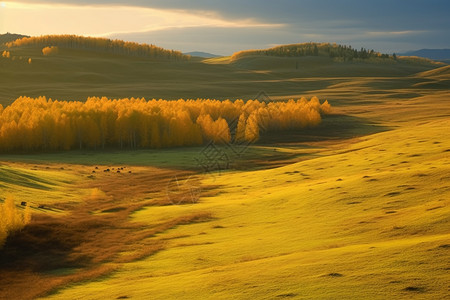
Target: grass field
point(357, 208)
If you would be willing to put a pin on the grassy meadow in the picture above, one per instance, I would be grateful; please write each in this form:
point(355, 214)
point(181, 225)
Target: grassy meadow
point(355, 208)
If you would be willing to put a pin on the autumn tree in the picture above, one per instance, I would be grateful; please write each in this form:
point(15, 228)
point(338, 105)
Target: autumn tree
point(52, 50)
point(11, 219)
point(41, 124)
point(240, 128)
point(252, 128)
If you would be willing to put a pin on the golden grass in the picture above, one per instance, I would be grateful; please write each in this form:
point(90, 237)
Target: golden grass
point(366, 219)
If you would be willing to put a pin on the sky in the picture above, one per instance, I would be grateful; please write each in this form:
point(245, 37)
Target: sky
point(226, 26)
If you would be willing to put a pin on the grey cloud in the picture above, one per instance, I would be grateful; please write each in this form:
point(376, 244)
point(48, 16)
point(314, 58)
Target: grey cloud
point(344, 21)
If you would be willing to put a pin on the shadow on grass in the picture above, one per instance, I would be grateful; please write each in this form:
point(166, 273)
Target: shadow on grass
point(50, 253)
point(23, 179)
point(43, 245)
point(332, 127)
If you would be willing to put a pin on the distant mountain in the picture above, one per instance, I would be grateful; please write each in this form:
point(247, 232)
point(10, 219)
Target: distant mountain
point(9, 37)
point(201, 54)
point(436, 54)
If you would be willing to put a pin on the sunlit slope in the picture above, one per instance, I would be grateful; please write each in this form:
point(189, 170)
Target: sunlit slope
point(367, 221)
point(442, 71)
point(435, 79)
point(39, 186)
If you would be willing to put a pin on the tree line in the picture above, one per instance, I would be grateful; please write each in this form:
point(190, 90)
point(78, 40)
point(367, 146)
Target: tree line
point(314, 49)
point(41, 124)
point(99, 44)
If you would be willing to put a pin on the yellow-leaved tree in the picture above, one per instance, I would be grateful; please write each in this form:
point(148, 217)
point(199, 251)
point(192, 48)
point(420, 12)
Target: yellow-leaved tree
point(252, 128)
point(41, 124)
point(240, 129)
point(11, 219)
point(52, 50)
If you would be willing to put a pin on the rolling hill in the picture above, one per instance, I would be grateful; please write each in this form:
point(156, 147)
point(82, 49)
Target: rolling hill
point(439, 72)
point(76, 73)
point(100, 45)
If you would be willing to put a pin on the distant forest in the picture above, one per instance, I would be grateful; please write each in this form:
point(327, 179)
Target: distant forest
point(99, 44)
point(346, 53)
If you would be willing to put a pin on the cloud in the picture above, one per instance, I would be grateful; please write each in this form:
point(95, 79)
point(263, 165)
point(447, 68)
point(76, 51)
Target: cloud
point(383, 12)
point(225, 26)
point(395, 33)
point(43, 18)
point(218, 40)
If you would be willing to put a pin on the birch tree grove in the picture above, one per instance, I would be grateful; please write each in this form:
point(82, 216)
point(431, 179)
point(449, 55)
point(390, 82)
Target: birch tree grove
point(41, 124)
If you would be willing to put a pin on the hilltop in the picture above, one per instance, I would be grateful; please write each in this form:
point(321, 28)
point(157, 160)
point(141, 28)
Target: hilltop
point(9, 37)
point(313, 49)
point(332, 52)
point(117, 47)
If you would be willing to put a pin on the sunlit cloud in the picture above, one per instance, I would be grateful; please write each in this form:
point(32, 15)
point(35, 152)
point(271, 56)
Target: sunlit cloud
point(395, 33)
point(37, 19)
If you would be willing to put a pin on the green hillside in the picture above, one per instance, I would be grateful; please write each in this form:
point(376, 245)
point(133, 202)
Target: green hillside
point(76, 73)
